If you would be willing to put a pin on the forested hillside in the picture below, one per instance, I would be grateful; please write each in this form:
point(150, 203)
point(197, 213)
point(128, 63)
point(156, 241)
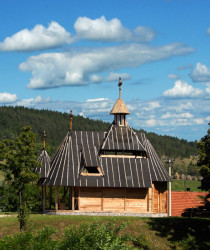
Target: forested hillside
point(56, 125)
point(172, 146)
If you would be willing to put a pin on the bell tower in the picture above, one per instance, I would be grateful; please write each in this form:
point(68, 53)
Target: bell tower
point(120, 110)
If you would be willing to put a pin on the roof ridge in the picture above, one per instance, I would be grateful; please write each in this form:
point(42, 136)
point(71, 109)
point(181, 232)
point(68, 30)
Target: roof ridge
point(107, 135)
point(137, 137)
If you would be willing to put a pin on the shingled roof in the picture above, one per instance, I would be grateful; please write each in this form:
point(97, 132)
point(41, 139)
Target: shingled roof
point(119, 108)
point(81, 148)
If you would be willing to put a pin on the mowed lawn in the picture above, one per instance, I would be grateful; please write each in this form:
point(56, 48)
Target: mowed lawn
point(162, 233)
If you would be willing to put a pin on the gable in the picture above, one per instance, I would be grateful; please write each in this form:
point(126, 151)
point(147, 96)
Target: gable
point(122, 139)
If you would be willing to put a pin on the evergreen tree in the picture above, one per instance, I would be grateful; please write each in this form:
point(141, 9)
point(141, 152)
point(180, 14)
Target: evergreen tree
point(204, 160)
point(18, 160)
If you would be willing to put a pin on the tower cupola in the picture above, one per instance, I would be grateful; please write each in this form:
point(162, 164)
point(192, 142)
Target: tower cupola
point(120, 110)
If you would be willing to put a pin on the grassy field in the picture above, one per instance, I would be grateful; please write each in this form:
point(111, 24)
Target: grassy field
point(161, 233)
point(179, 185)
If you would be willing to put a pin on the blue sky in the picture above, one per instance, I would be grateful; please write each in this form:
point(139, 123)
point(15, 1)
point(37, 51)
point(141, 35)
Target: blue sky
point(63, 55)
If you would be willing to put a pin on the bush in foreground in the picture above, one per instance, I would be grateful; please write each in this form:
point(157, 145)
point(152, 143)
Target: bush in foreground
point(86, 236)
point(29, 240)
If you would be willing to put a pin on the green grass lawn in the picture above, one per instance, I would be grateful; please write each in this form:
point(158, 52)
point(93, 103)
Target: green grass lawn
point(178, 185)
point(161, 233)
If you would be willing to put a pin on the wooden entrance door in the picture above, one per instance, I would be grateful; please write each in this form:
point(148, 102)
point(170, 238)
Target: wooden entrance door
point(160, 197)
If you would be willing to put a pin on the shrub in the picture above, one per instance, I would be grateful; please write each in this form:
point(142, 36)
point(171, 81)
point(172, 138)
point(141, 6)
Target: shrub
point(93, 236)
point(27, 240)
point(189, 242)
point(106, 236)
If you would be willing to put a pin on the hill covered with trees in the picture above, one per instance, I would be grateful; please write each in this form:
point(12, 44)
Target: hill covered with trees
point(56, 125)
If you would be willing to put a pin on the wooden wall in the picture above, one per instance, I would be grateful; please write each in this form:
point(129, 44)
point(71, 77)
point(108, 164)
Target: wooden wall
point(136, 201)
point(124, 199)
point(90, 199)
point(160, 197)
point(113, 200)
point(131, 200)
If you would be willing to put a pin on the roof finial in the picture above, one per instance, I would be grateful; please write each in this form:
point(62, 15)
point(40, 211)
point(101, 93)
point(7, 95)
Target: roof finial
point(44, 139)
point(120, 84)
point(71, 120)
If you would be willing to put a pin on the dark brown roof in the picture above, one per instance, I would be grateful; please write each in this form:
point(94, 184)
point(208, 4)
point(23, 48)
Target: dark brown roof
point(81, 148)
point(122, 138)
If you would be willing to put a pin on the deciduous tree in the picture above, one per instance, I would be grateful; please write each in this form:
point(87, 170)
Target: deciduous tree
point(204, 160)
point(18, 161)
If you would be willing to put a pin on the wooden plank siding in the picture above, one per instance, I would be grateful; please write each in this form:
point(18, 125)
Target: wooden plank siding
point(90, 199)
point(160, 197)
point(114, 200)
point(129, 200)
point(136, 200)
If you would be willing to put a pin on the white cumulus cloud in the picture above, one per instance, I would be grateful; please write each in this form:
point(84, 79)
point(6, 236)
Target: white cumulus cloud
point(151, 123)
point(33, 101)
point(113, 77)
point(96, 79)
point(51, 70)
point(112, 30)
point(101, 29)
point(151, 106)
point(182, 89)
point(143, 34)
point(201, 73)
point(182, 106)
point(172, 115)
point(207, 118)
point(208, 88)
point(208, 31)
point(97, 100)
point(199, 121)
point(6, 98)
point(39, 38)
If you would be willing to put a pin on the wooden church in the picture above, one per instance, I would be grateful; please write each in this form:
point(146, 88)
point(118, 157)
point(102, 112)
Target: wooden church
point(113, 171)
